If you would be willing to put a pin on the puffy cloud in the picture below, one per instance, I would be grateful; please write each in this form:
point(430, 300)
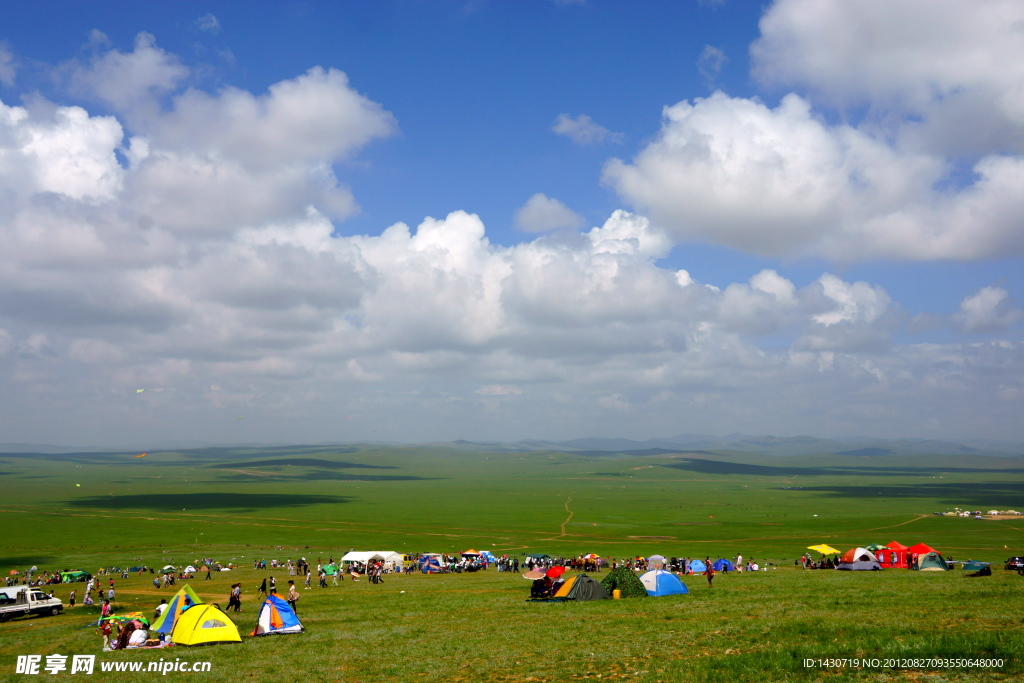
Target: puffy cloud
point(929, 143)
point(541, 213)
point(583, 130)
point(848, 316)
point(987, 310)
point(766, 305)
point(952, 63)
point(775, 181)
point(63, 151)
point(311, 119)
point(130, 83)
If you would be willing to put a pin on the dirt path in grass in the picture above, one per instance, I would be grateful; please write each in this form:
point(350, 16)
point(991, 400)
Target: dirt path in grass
point(571, 513)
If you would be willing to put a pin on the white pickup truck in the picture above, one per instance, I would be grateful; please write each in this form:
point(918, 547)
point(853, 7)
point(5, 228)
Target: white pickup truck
point(20, 601)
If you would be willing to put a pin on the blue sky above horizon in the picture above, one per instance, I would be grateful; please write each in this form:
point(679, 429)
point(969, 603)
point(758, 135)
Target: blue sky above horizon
point(647, 219)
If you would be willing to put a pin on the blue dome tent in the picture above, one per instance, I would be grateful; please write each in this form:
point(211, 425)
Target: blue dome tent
point(659, 582)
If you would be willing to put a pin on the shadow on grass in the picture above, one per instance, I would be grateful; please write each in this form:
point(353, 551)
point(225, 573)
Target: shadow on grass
point(239, 502)
point(640, 453)
point(226, 452)
point(981, 495)
point(716, 467)
point(9, 562)
point(305, 462)
point(319, 476)
point(91, 457)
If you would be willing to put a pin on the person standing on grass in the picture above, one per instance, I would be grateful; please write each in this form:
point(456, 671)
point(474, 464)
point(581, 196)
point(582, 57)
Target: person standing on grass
point(293, 597)
point(110, 593)
point(710, 573)
point(105, 610)
point(308, 577)
point(71, 598)
point(337, 573)
point(273, 585)
point(263, 587)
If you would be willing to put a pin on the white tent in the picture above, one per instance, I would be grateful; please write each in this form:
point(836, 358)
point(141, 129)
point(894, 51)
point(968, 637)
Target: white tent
point(390, 558)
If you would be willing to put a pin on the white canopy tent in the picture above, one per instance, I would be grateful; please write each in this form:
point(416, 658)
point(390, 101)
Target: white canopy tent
point(390, 558)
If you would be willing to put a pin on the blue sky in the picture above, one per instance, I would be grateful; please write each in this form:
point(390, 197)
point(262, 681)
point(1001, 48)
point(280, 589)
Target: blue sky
point(647, 219)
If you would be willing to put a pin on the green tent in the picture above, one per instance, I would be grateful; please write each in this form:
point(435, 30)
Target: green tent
point(585, 588)
point(932, 562)
point(74, 577)
point(330, 569)
point(623, 579)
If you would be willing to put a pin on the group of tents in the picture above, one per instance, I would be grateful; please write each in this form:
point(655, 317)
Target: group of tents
point(187, 620)
point(894, 555)
point(623, 582)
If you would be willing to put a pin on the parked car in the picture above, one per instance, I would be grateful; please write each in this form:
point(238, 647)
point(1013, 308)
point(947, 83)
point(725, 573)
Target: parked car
point(1015, 564)
point(20, 601)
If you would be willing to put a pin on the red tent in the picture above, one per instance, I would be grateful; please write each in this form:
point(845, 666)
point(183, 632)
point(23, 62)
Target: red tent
point(915, 551)
point(893, 556)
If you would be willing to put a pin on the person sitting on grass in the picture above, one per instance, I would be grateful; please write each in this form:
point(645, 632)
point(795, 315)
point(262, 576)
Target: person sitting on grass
point(159, 609)
point(137, 638)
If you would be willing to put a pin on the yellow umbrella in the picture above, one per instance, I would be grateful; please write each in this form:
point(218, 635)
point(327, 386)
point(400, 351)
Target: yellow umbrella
point(824, 549)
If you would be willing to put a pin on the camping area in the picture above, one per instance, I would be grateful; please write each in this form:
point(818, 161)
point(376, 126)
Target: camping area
point(239, 506)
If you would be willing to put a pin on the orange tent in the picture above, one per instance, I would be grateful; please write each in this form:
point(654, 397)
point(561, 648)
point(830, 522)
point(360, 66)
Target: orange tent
point(857, 555)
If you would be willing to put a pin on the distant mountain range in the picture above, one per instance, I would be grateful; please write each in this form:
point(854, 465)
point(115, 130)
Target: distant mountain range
point(690, 443)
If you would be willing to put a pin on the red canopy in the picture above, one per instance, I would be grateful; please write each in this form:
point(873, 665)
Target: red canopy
point(893, 556)
point(555, 572)
point(920, 549)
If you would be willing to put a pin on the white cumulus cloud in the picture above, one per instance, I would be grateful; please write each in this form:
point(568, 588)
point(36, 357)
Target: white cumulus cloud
point(541, 213)
point(987, 310)
point(907, 140)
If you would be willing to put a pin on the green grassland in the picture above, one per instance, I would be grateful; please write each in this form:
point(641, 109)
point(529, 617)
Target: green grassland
point(101, 509)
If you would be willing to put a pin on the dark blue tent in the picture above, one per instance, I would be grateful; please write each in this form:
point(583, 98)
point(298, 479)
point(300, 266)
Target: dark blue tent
point(723, 565)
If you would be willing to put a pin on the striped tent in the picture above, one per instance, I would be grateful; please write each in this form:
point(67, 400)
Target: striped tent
point(182, 600)
point(276, 616)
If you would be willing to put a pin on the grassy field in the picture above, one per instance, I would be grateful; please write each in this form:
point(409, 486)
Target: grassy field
point(115, 509)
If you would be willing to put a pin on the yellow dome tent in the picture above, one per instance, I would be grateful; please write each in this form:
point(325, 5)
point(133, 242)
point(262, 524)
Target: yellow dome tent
point(204, 625)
